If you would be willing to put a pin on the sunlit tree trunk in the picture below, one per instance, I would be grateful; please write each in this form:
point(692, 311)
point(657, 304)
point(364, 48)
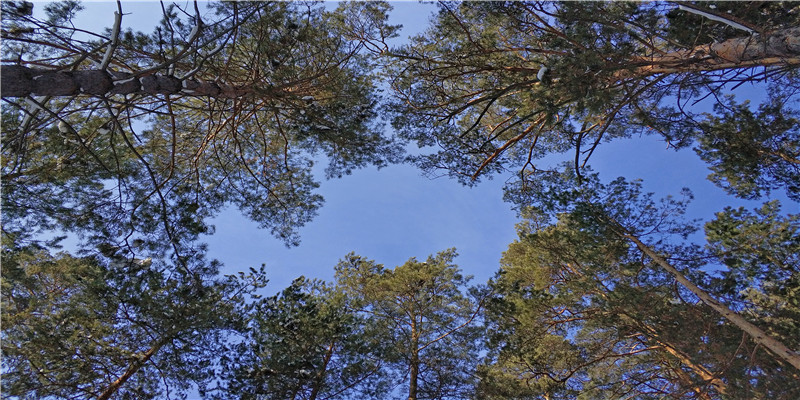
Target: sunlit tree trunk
point(135, 366)
point(759, 336)
point(670, 348)
point(781, 47)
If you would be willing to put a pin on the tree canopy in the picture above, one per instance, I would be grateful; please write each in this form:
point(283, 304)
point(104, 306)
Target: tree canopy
point(496, 86)
point(75, 328)
point(278, 86)
point(427, 316)
point(307, 343)
point(132, 142)
point(601, 297)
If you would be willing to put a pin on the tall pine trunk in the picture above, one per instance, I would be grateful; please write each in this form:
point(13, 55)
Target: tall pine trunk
point(781, 47)
point(19, 81)
point(775, 346)
point(414, 363)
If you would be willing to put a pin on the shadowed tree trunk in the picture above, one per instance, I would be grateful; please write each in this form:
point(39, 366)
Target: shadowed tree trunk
point(19, 81)
point(414, 363)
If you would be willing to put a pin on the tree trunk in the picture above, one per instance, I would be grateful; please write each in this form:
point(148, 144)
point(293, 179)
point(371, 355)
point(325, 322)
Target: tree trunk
point(686, 381)
point(698, 369)
point(135, 366)
point(758, 335)
point(414, 363)
point(781, 47)
point(414, 376)
point(321, 374)
point(19, 81)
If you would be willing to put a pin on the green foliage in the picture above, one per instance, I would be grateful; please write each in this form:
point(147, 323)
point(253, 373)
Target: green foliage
point(692, 29)
point(580, 313)
point(426, 321)
point(761, 253)
point(305, 344)
point(576, 310)
point(74, 326)
point(574, 317)
point(371, 331)
point(752, 153)
point(155, 167)
point(137, 177)
point(468, 86)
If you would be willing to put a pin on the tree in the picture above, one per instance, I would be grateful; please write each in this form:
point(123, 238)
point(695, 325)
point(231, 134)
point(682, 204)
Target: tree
point(131, 141)
point(428, 322)
point(516, 81)
point(160, 131)
point(305, 344)
point(760, 251)
point(582, 308)
point(87, 328)
point(578, 315)
point(749, 152)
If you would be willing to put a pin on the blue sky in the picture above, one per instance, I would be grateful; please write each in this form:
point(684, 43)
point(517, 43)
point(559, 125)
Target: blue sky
point(395, 213)
point(388, 215)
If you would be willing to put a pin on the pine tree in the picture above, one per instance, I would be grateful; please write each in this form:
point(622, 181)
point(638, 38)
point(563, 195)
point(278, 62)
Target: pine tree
point(496, 86)
point(305, 343)
point(605, 299)
point(156, 133)
point(131, 142)
point(428, 324)
point(97, 328)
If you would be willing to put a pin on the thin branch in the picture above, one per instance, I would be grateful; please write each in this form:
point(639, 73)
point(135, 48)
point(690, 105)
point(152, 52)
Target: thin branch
point(719, 17)
point(114, 37)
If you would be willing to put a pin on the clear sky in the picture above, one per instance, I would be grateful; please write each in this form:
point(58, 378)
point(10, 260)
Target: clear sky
point(395, 213)
point(388, 215)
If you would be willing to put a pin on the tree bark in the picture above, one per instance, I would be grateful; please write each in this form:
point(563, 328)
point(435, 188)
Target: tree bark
point(686, 381)
point(759, 336)
point(135, 366)
point(321, 374)
point(698, 369)
point(781, 47)
point(414, 363)
point(414, 376)
point(20, 81)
